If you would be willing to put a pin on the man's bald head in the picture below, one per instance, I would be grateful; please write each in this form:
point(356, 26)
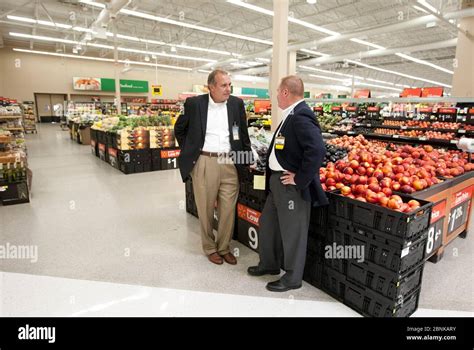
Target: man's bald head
point(294, 85)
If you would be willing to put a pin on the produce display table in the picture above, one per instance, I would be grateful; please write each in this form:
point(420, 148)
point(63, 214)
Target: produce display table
point(451, 212)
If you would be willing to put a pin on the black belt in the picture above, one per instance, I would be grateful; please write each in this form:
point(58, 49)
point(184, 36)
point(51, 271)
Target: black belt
point(214, 154)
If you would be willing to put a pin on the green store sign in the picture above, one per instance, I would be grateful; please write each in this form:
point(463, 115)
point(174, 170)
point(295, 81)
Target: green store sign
point(105, 84)
point(125, 85)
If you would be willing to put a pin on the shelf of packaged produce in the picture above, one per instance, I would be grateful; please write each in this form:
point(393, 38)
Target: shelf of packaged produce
point(4, 140)
point(8, 117)
point(437, 142)
point(393, 127)
point(13, 129)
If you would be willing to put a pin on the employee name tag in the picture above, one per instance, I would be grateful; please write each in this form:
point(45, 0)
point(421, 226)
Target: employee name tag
point(279, 142)
point(235, 132)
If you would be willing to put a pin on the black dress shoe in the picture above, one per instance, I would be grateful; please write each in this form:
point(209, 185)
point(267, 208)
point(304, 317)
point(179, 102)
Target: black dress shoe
point(279, 286)
point(256, 271)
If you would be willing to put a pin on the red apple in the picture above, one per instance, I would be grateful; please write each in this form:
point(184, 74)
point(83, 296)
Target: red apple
point(407, 189)
point(378, 174)
point(354, 164)
point(418, 185)
point(387, 191)
point(396, 186)
point(374, 187)
point(362, 180)
point(345, 190)
point(361, 170)
point(339, 185)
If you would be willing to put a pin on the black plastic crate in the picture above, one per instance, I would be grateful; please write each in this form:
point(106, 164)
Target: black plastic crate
point(385, 282)
point(364, 300)
point(404, 225)
point(93, 134)
point(251, 202)
point(313, 269)
point(101, 137)
point(383, 249)
point(14, 193)
point(94, 148)
point(318, 221)
point(133, 168)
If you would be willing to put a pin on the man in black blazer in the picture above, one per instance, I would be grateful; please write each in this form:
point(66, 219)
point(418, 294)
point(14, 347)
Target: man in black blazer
point(213, 137)
point(292, 181)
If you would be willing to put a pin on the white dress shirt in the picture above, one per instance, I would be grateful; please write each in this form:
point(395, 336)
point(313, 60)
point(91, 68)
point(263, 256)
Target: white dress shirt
point(273, 162)
point(217, 129)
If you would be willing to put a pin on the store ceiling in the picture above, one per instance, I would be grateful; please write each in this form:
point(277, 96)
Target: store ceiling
point(373, 17)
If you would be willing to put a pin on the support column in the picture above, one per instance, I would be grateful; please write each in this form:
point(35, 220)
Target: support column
point(279, 65)
point(118, 97)
point(292, 63)
point(463, 79)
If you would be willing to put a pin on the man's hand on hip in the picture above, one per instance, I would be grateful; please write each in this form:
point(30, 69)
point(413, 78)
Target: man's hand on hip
point(288, 178)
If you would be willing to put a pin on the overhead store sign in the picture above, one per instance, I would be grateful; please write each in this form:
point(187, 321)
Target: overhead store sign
point(432, 92)
point(411, 92)
point(362, 93)
point(261, 93)
point(157, 90)
point(105, 84)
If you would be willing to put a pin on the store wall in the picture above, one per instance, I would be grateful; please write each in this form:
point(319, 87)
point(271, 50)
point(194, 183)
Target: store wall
point(45, 74)
point(463, 79)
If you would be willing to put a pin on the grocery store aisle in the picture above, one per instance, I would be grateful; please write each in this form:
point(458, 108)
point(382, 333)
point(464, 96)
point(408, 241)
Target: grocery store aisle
point(91, 222)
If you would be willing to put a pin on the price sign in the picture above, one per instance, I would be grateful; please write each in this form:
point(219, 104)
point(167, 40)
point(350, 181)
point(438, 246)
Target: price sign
point(460, 209)
point(395, 136)
point(403, 127)
point(435, 231)
point(247, 226)
point(447, 114)
point(318, 111)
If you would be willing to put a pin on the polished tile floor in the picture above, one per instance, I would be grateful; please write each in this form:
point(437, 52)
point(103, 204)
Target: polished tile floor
point(115, 244)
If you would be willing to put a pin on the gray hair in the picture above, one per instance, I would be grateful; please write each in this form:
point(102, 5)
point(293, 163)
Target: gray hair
point(294, 85)
point(211, 79)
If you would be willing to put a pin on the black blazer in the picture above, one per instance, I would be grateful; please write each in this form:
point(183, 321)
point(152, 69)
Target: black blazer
point(190, 130)
point(302, 154)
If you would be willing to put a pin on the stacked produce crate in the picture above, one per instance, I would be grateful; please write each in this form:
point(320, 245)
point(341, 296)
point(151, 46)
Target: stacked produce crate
point(374, 256)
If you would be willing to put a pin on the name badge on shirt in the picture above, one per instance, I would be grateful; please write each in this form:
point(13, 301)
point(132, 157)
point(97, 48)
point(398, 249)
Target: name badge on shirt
point(279, 142)
point(235, 132)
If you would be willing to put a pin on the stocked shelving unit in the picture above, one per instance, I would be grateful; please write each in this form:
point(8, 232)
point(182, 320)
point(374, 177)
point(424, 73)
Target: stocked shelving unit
point(15, 177)
point(29, 117)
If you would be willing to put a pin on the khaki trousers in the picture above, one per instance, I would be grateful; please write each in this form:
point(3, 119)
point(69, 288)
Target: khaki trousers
point(214, 181)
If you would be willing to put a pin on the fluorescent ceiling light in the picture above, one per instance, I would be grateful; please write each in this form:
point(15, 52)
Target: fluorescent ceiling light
point(426, 63)
point(379, 81)
point(124, 37)
point(92, 3)
point(124, 49)
point(430, 7)
point(192, 26)
point(398, 73)
point(266, 60)
point(109, 47)
point(44, 38)
point(33, 21)
point(363, 42)
point(314, 52)
point(328, 78)
point(100, 59)
point(420, 9)
point(290, 19)
point(204, 71)
point(239, 65)
point(330, 72)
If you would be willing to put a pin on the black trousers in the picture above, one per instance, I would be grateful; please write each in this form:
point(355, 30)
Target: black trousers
point(283, 233)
